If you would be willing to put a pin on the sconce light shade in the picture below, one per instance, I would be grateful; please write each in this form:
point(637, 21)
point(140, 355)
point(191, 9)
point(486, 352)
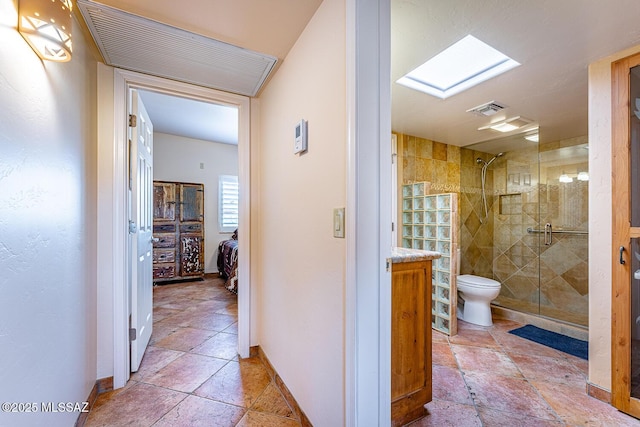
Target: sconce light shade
point(46, 26)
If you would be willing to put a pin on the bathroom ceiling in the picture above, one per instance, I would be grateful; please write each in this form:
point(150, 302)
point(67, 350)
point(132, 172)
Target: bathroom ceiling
point(555, 41)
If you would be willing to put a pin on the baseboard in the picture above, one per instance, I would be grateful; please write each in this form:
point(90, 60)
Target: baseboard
point(104, 385)
point(257, 351)
point(101, 386)
point(599, 393)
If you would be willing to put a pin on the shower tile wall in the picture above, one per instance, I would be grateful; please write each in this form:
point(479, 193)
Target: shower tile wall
point(451, 169)
point(499, 245)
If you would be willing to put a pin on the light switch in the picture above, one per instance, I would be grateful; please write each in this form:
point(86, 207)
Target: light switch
point(338, 222)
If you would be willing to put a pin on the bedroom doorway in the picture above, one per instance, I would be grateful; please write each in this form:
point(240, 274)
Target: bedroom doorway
point(114, 235)
point(195, 147)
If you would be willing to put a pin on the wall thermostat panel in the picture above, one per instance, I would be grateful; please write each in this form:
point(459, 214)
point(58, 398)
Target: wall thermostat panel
point(300, 145)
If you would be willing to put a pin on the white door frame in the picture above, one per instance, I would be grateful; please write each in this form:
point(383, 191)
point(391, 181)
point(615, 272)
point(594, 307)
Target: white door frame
point(119, 262)
point(368, 214)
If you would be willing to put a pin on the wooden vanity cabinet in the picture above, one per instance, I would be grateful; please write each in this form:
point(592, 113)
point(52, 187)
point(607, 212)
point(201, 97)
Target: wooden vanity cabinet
point(410, 340)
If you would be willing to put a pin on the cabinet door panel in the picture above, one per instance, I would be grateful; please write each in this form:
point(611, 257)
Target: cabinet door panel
point(191, 202)
point(164, 201)
point(192, 255)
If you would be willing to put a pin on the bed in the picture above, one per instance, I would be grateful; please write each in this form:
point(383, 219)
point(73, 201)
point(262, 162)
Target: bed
point(228, 262)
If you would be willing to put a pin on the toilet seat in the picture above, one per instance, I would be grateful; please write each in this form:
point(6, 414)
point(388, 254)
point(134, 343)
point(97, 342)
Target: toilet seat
point(477, 282)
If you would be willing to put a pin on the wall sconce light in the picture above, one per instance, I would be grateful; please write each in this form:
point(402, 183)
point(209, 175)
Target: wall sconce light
point(46, 26)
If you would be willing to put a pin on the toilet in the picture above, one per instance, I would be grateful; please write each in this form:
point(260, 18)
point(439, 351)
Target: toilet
point(476, 294)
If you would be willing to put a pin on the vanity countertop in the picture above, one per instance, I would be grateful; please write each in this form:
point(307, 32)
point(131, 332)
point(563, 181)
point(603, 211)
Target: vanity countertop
point(411, 255)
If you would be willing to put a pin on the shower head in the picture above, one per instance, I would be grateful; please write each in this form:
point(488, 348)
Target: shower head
point(484, 163)
point(493, 158)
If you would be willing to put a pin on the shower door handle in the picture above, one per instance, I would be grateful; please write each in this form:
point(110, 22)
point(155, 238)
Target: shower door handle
point(622, 261)
point(548, 232)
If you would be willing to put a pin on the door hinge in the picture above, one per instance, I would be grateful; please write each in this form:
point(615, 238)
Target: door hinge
point(388, 266)
point(393, 226)
point(133, 120)
point(133, 334)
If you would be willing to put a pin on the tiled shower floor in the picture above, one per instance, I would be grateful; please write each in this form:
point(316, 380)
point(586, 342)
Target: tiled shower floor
point(191, 376)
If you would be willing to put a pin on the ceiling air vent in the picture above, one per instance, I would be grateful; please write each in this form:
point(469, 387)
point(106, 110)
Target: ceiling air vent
point(135, 43)
point(488, 109)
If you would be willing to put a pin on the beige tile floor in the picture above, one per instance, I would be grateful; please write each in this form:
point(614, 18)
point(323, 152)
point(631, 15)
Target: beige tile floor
point(485, 376)
point(191, 376)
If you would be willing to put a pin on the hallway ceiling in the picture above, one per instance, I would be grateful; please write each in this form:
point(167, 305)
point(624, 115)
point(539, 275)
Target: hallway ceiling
point(555, 41)
point(254, 25)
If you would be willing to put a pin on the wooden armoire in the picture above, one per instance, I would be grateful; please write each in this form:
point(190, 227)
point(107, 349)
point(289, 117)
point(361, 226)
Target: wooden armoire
point(178, 231)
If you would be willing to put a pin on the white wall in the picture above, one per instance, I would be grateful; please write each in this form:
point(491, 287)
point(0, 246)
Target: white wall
point(600, 219)
point(47, 226)
point(301, 266)
point(176, 158)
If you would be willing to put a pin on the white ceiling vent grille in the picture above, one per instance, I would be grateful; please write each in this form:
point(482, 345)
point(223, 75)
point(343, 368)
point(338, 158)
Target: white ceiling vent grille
point(140, 44)
point(488, 109)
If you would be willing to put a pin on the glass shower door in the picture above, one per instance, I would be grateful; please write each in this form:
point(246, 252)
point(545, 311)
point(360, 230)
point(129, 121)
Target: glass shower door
point(564, 214)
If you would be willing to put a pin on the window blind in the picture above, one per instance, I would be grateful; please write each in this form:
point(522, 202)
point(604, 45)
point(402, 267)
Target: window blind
point(228, 203)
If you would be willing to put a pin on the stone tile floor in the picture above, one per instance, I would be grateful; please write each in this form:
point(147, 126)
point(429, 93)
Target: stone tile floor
point(191, 376)
point(485, 376)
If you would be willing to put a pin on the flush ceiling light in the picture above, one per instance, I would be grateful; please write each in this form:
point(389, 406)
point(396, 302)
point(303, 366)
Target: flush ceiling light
point(46, 26)
point(507, 125)
point(459, 67)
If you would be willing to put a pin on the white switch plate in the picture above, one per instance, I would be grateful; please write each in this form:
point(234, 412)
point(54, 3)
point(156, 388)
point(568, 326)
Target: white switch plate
point(338, 222)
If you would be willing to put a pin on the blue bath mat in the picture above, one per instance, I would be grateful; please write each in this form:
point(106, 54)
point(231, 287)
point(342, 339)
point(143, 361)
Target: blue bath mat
point(560, 342)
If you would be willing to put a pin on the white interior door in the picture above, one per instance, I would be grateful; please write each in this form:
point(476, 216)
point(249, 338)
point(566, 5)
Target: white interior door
point(141, 228)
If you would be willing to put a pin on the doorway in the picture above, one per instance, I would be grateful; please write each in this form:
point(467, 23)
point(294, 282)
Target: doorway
point(113, 259)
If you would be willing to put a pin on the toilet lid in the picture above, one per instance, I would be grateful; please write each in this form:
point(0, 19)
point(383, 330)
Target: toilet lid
point(471, 280)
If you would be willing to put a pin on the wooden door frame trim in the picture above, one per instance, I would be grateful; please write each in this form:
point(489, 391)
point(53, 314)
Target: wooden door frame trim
point(620, 274)
point(119, 263)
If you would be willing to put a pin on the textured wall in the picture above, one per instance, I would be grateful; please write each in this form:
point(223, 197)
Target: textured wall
point(47, 226)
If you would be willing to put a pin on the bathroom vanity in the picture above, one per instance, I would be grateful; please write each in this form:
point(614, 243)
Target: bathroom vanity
point(410, 333)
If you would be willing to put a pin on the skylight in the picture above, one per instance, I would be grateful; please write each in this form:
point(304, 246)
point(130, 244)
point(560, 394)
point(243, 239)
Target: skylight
point(459, 67)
